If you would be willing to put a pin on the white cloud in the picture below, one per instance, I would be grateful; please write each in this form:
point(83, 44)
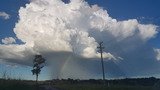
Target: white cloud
point(4, 15)
point(157, 54)
point(8, 40)
point(147, 31)
point(72, 31)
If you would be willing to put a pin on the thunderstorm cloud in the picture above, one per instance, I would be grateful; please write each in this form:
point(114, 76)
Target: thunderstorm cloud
point(67, 35)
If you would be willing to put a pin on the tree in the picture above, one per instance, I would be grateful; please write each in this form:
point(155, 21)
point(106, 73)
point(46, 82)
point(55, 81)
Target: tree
point(38, 65)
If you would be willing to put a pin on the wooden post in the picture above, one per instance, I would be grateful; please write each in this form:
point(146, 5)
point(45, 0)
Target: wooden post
point(101, 51)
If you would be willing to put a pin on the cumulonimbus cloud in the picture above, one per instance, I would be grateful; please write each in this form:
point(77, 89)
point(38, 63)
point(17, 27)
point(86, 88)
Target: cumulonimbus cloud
point(61, 31)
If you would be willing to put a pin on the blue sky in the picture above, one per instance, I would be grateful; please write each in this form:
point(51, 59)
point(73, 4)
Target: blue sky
point(11, 7)
point(146, 11)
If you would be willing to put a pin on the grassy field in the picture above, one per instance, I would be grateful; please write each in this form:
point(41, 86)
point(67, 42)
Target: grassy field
point(78, 85)
point(15, 85)
point(101, 87)
point(116, 84)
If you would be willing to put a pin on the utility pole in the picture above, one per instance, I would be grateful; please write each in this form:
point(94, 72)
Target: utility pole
point(101, 51)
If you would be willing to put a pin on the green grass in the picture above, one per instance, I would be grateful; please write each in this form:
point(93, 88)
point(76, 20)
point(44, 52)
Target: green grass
point(15, 85)
point(30, 85)
point(100, 87)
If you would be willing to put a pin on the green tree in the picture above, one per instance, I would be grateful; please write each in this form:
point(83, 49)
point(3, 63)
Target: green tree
point(38, 64)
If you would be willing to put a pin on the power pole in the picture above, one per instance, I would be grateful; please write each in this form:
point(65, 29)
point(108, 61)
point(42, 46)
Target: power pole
point(101, 51)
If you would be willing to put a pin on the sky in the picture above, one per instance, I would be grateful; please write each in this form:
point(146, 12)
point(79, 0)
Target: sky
point(67, 35)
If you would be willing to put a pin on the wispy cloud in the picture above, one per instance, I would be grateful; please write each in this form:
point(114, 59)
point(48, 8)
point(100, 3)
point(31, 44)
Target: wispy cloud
point(4, 15)
point(158, 54)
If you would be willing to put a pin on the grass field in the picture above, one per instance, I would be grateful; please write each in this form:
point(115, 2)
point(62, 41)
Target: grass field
point(119, 84)
point(15, 85)
point(74, 85)
point(101, 87)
